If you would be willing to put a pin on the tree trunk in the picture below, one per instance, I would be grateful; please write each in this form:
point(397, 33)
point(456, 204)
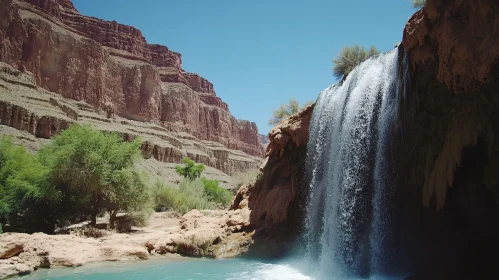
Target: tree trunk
point(93, 221)
point(95, 209)
point(112, 219)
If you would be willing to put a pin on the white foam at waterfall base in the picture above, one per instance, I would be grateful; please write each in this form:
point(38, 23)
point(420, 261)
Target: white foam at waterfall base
point(348, 217)
point(271, 272)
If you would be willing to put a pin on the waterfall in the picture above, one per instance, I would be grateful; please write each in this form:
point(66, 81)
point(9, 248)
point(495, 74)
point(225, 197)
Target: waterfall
point(348, 224)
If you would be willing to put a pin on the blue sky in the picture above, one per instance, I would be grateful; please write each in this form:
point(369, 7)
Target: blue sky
point(260, 53)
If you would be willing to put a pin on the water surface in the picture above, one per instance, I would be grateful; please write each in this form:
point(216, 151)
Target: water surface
point(161, 268)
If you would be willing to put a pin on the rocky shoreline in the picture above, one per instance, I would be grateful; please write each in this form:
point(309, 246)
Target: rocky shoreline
point(213, 234)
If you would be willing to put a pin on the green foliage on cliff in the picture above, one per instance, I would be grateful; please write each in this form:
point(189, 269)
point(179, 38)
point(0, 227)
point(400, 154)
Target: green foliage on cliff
point(418, 3)
point(190, 169)
point(98, 167)
point(349, 58)
point(286, 110)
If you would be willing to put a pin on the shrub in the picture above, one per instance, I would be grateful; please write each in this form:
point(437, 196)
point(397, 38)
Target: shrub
point(125, 223)
point(95, 171)
point(183, 198)
point(24, 190)
point(190, 170)
point(418, 3)
point(215, 193)
point(349, 58)
point(1, 229)
point(286, 110)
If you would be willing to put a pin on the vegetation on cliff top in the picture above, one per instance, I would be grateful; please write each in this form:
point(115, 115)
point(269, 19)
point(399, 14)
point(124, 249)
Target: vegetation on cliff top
point(349, 58)
point(286, 110)
point(418, 3)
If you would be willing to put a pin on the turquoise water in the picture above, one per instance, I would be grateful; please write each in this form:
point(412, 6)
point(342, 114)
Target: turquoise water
point(169, 269)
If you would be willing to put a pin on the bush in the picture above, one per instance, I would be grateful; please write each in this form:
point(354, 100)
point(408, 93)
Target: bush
point(183, 198)
point(24, 190)
point(349, 58)
point(286, 110)
point(190, 170)
point(1, 229)
point(125, 223)
point(215, 193)
point(418, 3)
point(95, 171)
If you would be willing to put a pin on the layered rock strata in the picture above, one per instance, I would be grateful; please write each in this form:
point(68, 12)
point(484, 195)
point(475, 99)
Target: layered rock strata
point(111, 67)
point(43, 114)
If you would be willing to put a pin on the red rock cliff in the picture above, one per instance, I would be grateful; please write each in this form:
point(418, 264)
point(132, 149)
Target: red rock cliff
point(276, 198)
point(112, 67)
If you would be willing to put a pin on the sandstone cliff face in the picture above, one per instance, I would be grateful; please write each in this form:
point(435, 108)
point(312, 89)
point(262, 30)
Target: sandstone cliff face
point(453, 91)
point(460, 36)
point(277, 199)
point(112, 67)
point(447, 146)
point(31, 110)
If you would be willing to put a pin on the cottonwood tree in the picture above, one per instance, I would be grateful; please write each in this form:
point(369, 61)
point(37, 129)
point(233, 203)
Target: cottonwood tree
point(95, 171)
point(24, 189)
point(190, 169)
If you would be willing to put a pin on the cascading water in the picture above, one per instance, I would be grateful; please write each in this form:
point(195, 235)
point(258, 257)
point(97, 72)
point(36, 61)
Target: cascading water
point(348, 164)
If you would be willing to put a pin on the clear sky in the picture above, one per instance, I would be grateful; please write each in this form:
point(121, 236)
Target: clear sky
point(260, 53)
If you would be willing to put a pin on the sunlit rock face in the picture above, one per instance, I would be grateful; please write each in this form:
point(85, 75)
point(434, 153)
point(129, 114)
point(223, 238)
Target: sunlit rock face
point(276, 197)
point(112, 67)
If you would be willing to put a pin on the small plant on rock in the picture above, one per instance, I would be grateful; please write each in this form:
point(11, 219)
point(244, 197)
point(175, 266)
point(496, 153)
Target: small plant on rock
point(349, 58)
point(418, 3)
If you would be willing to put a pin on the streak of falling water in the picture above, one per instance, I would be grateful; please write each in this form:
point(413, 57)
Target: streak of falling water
point(348, 224)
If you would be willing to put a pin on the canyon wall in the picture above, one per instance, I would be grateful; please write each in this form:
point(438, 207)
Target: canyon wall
point(276, 198)
point(448, 153)
point(111, 67)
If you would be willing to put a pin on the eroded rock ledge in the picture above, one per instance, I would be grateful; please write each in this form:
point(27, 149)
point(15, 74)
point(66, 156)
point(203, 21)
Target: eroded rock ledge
point(212, 234)
point(43, 114)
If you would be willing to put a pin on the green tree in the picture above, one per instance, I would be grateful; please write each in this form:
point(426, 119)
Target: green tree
point(95, 170)
point(215, 193)
point(23, 189)
point(190, 169)
point(286, 110)
point(349, 58)
point(418, 3)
